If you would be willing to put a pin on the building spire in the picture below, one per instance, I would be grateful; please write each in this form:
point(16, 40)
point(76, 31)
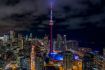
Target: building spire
point(51, 13)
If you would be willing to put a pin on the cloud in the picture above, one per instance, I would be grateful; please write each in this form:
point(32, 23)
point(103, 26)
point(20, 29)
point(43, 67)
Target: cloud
point(20, 8)
point(29, 14)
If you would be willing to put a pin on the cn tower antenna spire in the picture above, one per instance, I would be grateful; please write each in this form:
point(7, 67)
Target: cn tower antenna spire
point(51, 26)
point(51, 12)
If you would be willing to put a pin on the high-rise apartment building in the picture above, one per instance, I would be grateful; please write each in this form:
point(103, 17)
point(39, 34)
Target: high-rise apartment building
point(72, 44)
point(67, 60)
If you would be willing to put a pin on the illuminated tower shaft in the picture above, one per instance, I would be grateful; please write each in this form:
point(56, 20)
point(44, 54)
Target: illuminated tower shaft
point(51, 29)
point(33, 58)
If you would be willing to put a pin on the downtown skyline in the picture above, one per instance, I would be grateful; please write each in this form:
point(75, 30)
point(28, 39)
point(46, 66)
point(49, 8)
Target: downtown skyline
point(82, 20)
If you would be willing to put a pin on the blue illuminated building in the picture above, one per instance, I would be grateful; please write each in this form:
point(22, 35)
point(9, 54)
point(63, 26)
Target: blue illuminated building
point(56, 56)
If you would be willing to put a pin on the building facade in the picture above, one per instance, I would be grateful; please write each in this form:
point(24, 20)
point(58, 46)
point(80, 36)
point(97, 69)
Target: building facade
point(67, 60)
point(88, 61)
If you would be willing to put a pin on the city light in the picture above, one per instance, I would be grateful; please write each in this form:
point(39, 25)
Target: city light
point(52, 35)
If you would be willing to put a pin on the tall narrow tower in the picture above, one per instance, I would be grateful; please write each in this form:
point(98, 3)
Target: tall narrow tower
point(33, 58)
point(51, 26)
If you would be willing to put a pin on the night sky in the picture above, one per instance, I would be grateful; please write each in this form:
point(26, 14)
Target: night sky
point(82, 20)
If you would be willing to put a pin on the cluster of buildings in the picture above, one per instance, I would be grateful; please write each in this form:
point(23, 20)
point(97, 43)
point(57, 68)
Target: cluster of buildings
point(18, 52)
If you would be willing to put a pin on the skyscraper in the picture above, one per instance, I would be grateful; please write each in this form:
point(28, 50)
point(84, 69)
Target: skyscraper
point(39, 63)
point(6, 38)
point(72, 44)
point(65, 43)
point(30, 37)
point(12, 35)
point(88, 61)
point(67, 60)
point(46, 42)
point(20, 41)
point(51, 26)
point(33, 58)
point(59, 43)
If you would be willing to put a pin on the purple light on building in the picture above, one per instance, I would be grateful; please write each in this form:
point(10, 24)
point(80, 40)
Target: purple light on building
point(76, 57)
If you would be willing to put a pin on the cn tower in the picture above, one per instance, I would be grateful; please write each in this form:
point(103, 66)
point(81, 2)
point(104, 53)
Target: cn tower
point(51, 26)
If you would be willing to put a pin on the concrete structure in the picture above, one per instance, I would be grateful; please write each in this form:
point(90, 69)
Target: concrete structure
point(51, 27)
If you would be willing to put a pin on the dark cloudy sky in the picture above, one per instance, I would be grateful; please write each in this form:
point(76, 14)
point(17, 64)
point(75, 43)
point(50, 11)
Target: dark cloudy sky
point(83, 20)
